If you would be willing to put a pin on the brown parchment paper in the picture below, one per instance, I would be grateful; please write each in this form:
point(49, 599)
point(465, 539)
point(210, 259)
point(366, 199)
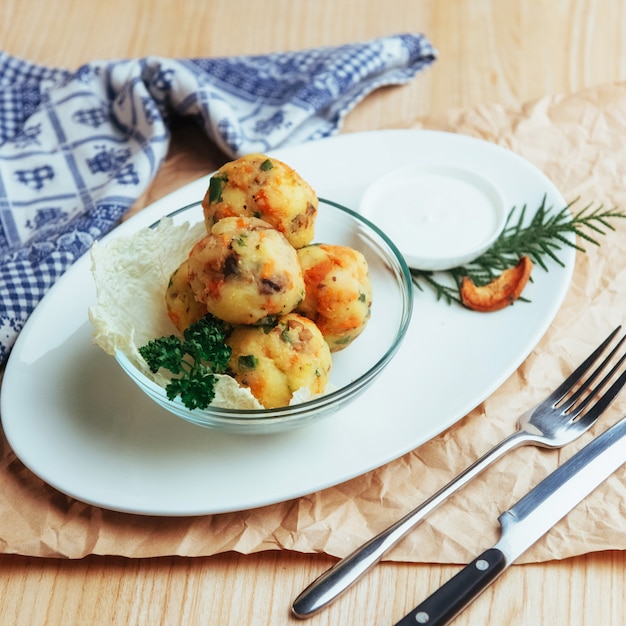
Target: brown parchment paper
point(579, 141)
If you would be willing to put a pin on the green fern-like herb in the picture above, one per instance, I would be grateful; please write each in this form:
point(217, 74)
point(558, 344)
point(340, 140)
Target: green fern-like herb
point(547, 233)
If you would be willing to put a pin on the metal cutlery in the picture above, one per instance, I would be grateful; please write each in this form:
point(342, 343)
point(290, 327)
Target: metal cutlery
point(569, 411)
point(524, 523)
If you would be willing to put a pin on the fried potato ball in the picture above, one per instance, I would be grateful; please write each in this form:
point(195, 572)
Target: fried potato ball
point(277, 362)
point(182, 307)
point(338, 292)
point(258, 186)
point(245, 271)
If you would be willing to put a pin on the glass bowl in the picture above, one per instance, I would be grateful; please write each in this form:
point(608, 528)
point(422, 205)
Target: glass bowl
point(354, 368)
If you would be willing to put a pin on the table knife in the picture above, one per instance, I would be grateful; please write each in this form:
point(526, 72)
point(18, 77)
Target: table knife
point(524, 523)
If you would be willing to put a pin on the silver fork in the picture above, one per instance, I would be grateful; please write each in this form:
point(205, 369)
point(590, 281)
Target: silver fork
point(562, 417)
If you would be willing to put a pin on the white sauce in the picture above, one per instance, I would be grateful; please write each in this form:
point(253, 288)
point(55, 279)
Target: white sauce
point(438, 217)
point(435, 213)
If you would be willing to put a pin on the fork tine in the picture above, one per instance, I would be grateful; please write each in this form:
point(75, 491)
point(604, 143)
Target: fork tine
point(597, 409)
point(561, 391)
point(590, 396)
point(573, 399)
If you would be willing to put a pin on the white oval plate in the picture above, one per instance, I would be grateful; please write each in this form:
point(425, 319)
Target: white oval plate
point(78, 422)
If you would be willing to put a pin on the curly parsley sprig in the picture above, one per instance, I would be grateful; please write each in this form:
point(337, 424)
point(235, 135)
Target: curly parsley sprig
point(547, 233)
point(198, 357)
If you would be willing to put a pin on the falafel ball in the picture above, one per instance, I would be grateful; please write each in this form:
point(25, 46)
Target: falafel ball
point(275, 362)
point(182, 307)
point(258, 186)
point(338, 292)
point(245, 271)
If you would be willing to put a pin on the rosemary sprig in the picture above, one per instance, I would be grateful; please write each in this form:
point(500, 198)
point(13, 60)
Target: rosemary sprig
point(547, 233)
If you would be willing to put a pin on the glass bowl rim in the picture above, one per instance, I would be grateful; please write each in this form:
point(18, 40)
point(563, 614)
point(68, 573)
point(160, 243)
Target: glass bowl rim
point(217, 415)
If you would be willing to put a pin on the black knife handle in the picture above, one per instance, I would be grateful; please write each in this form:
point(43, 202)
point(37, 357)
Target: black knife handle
point(452, 597)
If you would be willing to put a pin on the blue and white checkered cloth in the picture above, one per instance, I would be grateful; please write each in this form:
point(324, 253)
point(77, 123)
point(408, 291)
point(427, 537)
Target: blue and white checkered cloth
point(78, 148)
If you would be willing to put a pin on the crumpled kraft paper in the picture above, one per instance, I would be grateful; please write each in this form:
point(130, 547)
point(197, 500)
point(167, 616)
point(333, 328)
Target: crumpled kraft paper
point(579, 141)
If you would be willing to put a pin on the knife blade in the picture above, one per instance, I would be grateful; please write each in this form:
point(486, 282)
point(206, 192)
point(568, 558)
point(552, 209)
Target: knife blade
point(524, 523)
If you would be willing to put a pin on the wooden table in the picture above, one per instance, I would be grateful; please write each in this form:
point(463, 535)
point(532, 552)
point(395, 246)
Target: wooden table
point(490, 51)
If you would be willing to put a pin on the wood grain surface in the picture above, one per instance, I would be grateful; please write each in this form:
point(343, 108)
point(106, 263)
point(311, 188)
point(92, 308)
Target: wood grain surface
point(489, 51)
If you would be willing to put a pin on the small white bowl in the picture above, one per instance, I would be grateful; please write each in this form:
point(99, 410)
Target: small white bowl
point(439, 216)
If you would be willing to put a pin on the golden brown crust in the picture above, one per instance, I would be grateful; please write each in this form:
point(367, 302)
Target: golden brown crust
point(338, 292)
point(245, 271)
point(275, 362)
point(182, 307)
point(258, 186)
point(500, 292)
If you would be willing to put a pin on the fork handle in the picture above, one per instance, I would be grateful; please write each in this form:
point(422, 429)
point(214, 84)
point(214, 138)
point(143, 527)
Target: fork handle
point(348, 570)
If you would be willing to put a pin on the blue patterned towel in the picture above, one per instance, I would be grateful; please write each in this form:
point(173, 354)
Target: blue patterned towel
point(78, 148)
